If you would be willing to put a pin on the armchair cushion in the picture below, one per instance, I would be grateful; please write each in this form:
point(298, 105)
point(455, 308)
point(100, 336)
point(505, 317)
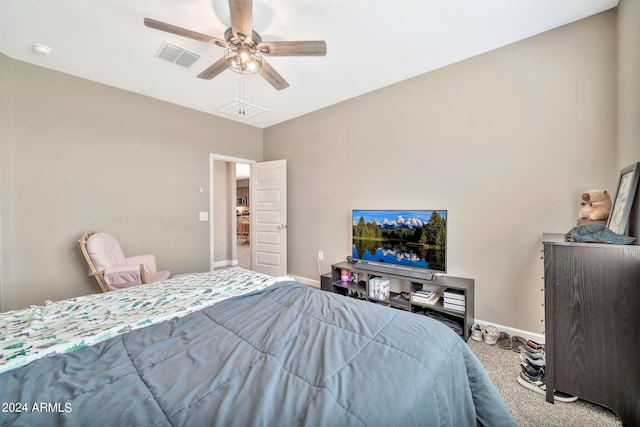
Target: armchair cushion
point(148, 260)
point(105, 251)
point(120, 276)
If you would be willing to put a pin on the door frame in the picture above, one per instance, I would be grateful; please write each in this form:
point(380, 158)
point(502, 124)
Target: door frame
point(228, 159)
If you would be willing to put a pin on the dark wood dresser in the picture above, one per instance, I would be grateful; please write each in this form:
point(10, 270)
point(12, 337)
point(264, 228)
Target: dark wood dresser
point(592, 323)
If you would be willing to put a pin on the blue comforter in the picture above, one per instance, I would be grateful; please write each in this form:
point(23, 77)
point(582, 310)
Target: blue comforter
point(288, 355)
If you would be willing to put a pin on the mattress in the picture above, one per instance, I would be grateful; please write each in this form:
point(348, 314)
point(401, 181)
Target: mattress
point(284, 354)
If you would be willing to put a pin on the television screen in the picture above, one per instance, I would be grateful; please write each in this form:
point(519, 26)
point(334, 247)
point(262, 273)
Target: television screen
point(409, 238)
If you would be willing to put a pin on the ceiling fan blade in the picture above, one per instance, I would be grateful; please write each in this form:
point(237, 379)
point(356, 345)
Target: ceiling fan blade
point(299, 48)
point(241, 19)
point(219, 66)
point(272, 76)
point(168, 28)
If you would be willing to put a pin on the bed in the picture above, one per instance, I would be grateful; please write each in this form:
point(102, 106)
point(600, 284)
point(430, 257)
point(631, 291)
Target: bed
point(236, 348)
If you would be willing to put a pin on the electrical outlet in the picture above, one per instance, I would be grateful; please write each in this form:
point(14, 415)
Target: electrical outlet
point(320, 255)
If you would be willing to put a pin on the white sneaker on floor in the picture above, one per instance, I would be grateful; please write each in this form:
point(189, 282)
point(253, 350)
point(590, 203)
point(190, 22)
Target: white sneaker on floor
point(476, 332)
point(490, 335)
point(541, 388)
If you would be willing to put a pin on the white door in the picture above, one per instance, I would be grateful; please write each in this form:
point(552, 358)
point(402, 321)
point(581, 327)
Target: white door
point(269, 217)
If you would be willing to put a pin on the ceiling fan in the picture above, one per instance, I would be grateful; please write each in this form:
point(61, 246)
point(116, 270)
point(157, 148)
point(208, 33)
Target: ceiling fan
point(244, 47)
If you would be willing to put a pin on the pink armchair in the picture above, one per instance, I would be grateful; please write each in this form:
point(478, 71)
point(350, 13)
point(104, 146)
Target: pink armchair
point(112, 269)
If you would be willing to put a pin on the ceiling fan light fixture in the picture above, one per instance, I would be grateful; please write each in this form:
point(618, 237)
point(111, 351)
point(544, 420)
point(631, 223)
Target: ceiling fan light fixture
point(243, 60)
point(243, 53)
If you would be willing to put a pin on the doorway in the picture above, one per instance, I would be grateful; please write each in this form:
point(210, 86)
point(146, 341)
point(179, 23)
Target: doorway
point(267, 202)
point(243, 214)
point(223, 238)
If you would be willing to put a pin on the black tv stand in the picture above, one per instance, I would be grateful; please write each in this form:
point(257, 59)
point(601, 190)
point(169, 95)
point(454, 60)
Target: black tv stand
point(408, 272)
point(401, 286)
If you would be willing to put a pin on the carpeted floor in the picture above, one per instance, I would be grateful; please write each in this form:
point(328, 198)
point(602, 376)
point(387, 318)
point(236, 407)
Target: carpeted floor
point(528, 407)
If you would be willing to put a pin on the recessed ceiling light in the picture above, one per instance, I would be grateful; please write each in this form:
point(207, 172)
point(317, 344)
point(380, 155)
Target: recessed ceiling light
point(42, 49)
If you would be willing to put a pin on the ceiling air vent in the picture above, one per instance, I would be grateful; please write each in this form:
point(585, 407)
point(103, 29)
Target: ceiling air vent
point(241, 109)
point(177, 54)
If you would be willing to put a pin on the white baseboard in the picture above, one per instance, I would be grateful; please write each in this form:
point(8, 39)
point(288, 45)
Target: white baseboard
point(225, 263)
point(539, 338)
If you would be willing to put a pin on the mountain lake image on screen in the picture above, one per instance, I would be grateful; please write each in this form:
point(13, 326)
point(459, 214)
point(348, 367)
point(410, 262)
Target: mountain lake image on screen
point(406, 238)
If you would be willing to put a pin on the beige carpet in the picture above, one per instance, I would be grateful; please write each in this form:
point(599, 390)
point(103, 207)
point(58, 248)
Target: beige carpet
point(528, 407)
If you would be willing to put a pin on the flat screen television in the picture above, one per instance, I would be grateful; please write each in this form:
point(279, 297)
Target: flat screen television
point(413, 239)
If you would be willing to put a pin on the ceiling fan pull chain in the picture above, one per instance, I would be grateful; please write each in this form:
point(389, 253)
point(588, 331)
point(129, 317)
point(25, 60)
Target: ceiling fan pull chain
point(244, 110)
point(241, 95)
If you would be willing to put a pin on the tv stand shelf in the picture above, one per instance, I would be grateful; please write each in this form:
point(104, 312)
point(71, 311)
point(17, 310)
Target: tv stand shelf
point(360, 286)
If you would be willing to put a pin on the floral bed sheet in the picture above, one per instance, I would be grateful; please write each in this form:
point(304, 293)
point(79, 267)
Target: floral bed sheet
point(65, 326)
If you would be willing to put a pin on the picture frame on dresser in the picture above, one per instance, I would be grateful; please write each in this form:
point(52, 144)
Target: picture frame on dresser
point(623, 201)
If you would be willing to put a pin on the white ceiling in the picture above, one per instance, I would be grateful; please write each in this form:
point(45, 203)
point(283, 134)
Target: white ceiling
point(370, 44)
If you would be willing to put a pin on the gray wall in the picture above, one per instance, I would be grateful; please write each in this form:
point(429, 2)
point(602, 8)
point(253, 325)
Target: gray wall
point(505, 141)
point(84, 156)
point(629, 93)
point(5, 136)
point(224, 211)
